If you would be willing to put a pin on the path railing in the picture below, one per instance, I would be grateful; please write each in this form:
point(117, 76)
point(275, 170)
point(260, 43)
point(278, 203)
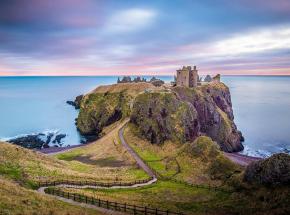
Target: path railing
point(92, 183)
point(117, 206)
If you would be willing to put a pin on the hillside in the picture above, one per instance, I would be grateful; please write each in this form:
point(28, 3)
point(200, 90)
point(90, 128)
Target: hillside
point(104, 160)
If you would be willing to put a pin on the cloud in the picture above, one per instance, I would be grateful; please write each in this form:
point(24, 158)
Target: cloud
point(131, 20)
point(254, 42)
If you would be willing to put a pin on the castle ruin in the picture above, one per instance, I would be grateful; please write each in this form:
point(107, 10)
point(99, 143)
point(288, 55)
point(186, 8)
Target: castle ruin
point(187, 76)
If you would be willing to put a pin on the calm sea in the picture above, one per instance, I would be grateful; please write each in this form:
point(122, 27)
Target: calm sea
point(30, 105)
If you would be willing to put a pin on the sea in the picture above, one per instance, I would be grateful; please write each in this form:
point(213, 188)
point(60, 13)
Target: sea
point(37, 105)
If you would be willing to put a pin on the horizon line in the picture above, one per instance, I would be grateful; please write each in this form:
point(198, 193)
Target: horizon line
point(279, 75)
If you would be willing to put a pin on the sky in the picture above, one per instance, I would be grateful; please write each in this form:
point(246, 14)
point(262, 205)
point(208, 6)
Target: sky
point(133, 37)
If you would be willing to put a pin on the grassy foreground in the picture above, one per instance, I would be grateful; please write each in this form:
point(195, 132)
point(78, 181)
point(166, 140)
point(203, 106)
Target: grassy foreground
point(15, 199)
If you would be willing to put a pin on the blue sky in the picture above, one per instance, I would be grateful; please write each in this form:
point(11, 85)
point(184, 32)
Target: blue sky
point(90, 37)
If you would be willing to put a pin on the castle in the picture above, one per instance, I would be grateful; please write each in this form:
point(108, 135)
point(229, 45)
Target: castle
point(187, 76)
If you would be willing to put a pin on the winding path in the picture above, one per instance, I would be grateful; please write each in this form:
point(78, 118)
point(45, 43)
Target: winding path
point(235, 157)
point(140, 163)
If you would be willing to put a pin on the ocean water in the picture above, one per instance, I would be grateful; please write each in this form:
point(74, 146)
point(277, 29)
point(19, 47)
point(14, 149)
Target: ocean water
point(30, 105)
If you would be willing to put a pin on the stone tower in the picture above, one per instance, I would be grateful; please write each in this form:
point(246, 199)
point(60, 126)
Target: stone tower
point(187, 76)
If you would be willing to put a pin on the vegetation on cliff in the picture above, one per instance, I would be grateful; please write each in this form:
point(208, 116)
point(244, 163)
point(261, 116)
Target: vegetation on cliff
point(106, 105)
point(101, 109)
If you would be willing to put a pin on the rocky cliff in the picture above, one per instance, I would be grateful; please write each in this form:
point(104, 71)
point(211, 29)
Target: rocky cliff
point(164, 113)
point(182, 114)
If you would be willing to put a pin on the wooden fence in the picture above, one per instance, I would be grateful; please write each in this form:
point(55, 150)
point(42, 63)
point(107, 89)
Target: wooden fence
point(122, 207)
point(92, 183)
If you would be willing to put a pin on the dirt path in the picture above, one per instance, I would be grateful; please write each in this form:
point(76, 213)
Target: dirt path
point(139, 161)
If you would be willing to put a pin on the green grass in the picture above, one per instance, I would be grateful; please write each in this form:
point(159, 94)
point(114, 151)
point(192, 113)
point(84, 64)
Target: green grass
point(11, 170)
point(165, 195)
point(68, 156)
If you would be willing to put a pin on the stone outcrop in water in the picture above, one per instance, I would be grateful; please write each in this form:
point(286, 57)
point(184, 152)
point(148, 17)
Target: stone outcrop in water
point(76, 103)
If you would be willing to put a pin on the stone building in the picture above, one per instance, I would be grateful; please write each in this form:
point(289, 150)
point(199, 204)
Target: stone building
point(187, 76)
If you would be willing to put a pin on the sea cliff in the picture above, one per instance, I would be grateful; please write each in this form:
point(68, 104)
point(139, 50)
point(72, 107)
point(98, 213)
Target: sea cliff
point(164, 113)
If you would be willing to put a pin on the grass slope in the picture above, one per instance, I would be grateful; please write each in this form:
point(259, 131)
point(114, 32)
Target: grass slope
point(104, 160)
point(15, 199)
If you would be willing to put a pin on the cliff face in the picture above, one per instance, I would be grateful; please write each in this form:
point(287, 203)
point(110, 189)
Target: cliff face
point(101, 109)
point(179, 114)
point(184, 114)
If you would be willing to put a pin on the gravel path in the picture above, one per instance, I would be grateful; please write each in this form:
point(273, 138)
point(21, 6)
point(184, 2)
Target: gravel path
point(139, 161)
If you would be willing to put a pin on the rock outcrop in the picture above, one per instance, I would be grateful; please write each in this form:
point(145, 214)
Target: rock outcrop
point(76, 103)
point(186, 113)
point(274, 170)
point(38, 141)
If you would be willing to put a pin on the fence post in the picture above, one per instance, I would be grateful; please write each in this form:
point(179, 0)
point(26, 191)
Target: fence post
point(145, 210)
point(125, 207)
point(74, 196)
point(93, 202)
point(167, 212)
point(107, 204)
point(115, 205)
point(156, 211)
point(68, 195)
point(134, 209)
point(86, 199)
point(99, 202)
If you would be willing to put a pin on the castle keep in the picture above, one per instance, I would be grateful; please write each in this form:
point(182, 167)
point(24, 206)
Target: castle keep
point(187, 76)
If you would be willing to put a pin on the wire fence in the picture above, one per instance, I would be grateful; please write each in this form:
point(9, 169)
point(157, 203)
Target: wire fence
point(117, 206)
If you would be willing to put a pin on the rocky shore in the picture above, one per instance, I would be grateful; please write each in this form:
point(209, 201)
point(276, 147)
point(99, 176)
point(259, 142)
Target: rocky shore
point(39, 140)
